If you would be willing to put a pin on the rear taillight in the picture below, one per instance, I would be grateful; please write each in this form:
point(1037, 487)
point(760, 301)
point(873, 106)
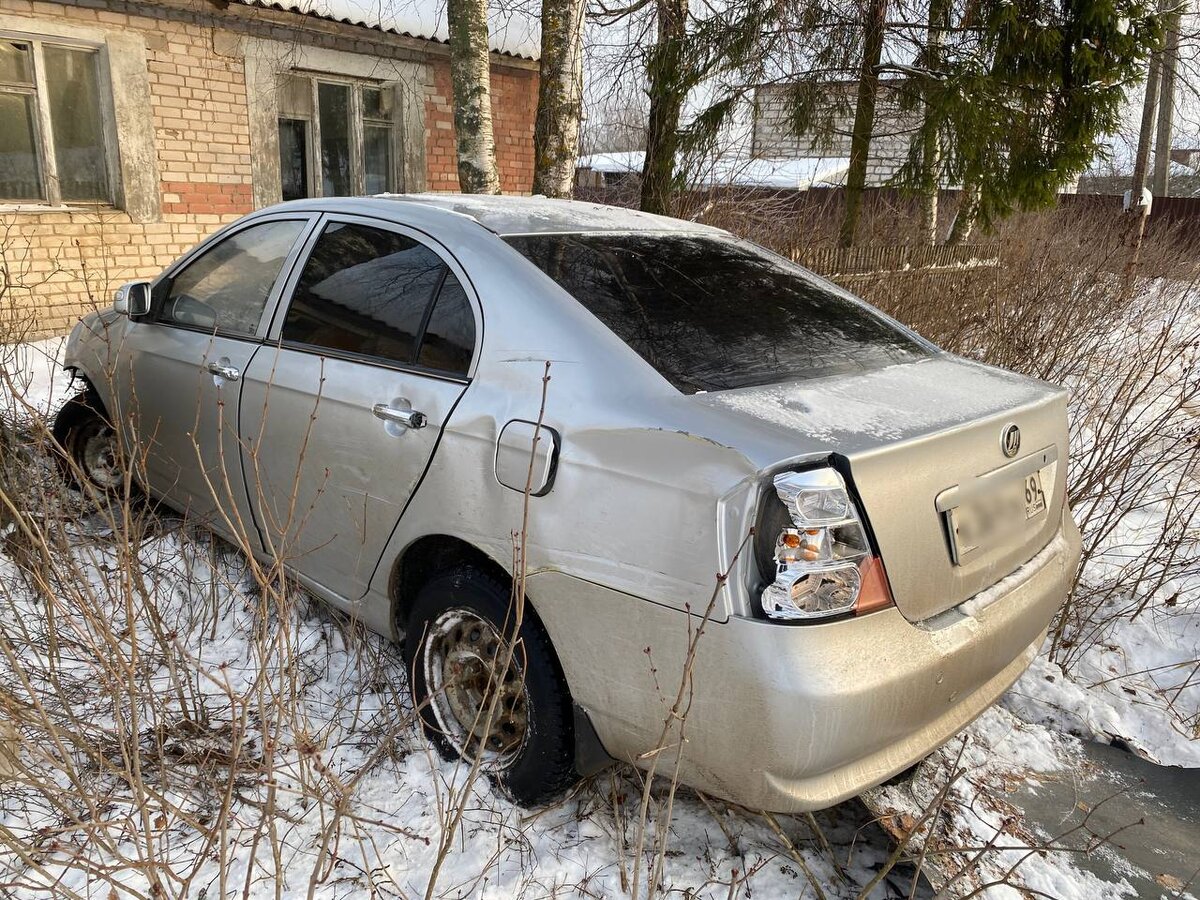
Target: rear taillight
point(821, 560)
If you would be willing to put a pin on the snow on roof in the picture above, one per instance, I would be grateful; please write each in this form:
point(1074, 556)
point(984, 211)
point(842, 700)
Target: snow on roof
point(739, 170)
point(514, 29)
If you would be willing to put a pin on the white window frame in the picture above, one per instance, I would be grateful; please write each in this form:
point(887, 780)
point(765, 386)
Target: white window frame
point(358, 175)
point(47, 162)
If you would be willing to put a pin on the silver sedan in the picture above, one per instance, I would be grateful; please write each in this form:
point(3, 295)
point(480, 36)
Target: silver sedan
point(872, 532)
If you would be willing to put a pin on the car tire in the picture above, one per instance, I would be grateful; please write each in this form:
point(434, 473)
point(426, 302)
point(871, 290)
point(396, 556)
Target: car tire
point(88, 453)
point(455, 622)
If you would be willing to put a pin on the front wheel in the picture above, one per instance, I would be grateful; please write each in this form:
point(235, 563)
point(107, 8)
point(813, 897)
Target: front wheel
point(90, 452)
point(518, 723)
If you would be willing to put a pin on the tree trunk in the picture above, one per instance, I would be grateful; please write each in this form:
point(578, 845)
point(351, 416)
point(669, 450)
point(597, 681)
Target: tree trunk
point(864, 118)
point(1166, 107)
point(931, 149)
point(966, 216)
point(560, 91)
point(470, 74)
point(1141, 162)
point(664, 73)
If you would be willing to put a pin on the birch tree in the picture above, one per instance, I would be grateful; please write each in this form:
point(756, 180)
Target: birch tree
point(470, 76)
point(560, 98)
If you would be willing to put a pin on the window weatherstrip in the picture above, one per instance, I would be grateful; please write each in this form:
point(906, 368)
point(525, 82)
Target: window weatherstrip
point(379, 362)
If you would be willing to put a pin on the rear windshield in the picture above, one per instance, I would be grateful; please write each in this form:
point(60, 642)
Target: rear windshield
point(712, 314)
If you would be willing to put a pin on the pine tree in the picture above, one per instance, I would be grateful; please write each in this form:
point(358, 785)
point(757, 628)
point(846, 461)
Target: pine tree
point(1024, 96)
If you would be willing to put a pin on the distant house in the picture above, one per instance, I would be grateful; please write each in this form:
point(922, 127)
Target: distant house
point(610, 169)
point(128, 131)
point(1188, 157)
point(774, 137)
point(891, 139)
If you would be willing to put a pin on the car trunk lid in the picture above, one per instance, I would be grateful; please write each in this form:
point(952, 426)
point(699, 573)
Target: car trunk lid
point(919, 440)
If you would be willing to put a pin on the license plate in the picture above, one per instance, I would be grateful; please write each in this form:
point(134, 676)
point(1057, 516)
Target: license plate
point(988, 518)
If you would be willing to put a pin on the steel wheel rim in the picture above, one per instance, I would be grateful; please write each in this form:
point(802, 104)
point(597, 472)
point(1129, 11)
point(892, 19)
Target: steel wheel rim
point(99, 455)
point(460, 650)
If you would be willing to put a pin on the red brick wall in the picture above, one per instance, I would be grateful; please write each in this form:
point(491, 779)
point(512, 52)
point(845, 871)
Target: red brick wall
point(514, 105)
point(206, 197)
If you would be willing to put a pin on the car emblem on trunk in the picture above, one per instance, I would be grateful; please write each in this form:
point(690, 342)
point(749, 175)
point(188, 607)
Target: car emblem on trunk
point(1010, 440)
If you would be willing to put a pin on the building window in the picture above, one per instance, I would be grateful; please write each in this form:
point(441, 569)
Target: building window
point(336, 137)
point(52, 143)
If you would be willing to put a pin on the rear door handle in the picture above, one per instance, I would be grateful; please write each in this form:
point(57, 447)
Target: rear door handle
point(229, 373)
point(409, 418)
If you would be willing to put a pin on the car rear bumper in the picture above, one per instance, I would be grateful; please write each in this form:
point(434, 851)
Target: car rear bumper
point(792, 718)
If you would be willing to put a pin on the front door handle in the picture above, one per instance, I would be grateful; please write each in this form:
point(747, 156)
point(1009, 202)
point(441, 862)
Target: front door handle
point(229, 373)
point(409, 418)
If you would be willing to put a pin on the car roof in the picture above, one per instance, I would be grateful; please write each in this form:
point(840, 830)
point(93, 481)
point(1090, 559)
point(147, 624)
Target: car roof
point(510, 215)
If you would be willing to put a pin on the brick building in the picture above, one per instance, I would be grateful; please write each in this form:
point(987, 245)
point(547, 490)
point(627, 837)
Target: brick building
point(774, 138)
point(130, 129)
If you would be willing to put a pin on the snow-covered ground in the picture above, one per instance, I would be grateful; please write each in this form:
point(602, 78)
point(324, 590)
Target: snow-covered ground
point(186, 728)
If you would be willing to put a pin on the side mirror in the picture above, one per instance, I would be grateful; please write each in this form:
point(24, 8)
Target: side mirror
point(133, 298)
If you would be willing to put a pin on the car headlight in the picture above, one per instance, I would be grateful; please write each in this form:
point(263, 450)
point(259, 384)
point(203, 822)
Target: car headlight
point(821, 561)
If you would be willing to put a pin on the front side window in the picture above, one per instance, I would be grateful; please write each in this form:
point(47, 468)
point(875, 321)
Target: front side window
point(336, 138)
point(52, 146)
point(712, 314)
point(377, 293)
point(226, 289)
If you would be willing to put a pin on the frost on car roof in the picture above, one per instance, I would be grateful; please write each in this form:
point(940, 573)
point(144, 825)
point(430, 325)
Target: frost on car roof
point(534, 215)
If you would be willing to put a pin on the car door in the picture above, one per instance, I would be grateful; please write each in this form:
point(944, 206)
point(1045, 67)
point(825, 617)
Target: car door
point(184, 367)
point(340, 418)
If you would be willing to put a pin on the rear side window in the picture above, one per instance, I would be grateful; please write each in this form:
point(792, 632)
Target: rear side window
point(449, 337)
point(377, 293)
point(364, 291)
point(713, 314)
point(227, 287)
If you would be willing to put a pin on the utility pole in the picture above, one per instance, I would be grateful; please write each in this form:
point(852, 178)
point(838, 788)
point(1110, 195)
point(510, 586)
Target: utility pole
point(1166, 103)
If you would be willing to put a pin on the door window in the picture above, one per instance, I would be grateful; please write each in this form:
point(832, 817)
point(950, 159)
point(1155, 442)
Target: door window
point(365, 291)
point(226, 289)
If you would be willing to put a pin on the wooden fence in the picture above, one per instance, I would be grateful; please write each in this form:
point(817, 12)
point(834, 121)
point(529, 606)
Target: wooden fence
point(899, 258)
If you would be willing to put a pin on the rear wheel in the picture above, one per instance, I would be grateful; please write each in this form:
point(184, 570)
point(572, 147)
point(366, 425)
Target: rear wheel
point(90, 454)
point(518, 723)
